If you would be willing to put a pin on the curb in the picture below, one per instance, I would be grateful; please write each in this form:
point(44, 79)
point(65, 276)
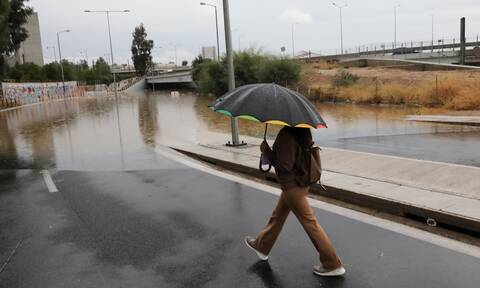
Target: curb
point(447, 220)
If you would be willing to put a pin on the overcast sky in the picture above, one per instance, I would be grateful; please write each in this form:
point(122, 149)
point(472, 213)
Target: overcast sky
point(258, 23)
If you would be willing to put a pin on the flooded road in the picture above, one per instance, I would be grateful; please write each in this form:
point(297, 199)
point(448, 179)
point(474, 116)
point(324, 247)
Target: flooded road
point(85, 134)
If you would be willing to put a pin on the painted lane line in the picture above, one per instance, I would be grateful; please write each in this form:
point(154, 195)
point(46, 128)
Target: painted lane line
point(386, 224)
point(48, 181)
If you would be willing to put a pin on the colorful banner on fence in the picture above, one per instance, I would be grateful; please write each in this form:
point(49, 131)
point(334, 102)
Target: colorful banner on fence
point(25, 93)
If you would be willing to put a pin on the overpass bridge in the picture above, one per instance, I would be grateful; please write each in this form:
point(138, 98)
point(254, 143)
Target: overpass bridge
point(177, 76)
point(442, 51)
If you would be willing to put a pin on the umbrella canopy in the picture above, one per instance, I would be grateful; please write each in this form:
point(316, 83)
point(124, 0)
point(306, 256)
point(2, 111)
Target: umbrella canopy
point(270, 103)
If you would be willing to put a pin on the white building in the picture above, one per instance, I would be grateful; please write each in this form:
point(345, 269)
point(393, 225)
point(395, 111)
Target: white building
point(30, 50)
point(209, 52)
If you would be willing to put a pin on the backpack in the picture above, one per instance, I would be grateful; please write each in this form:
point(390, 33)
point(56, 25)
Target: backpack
point(308, 166)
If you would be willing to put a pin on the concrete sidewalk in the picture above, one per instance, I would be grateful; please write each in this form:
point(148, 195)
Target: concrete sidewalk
point(447, 193)
point(446, 119)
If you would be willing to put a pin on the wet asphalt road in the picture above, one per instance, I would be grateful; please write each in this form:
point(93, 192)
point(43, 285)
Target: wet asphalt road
point(180, 227)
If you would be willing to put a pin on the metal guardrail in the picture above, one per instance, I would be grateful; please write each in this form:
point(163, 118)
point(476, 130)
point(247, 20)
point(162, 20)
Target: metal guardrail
point(403, 47)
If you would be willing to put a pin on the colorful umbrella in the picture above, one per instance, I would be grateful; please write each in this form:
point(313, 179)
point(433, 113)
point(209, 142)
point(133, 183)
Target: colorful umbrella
point(270, 104)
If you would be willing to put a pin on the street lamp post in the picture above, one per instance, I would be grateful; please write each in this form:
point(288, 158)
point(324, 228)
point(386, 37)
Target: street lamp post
point(107, 12)
point(395, 25)
point(107, 55)
point(293, 39)
point(433, 19)
point(216, 26)
point(85, 53)
point(60, 56)
point(239, 42)
point(175, 51)
point(54, 52)
point(154, 65)
point(340, 7)
point(239, 36)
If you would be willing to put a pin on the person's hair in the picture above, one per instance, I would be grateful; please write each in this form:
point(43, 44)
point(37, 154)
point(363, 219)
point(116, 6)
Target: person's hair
point(303, 136)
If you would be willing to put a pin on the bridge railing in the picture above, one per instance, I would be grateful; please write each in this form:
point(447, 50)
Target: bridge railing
point(437, 45)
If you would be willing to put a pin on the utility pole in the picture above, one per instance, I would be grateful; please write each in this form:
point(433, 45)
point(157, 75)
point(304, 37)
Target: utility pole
point(462, 41)
point(107, 12)
point(216, 26)
point(54, 52)
point(433, 19)
point(395, 25)
point(340, 7)
point(60, 56)
point(293, 39)
point(85, 52)
point(231, 76)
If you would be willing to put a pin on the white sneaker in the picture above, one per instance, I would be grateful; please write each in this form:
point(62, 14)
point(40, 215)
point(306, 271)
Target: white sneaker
point(320, 271)
point(249, 241)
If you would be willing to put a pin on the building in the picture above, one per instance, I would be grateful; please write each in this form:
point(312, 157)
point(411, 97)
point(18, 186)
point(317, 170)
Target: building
point(209, 52)
point(30, 50)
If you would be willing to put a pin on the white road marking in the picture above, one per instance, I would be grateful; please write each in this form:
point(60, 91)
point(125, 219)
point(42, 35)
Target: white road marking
point(48, 181)
point(419, 234)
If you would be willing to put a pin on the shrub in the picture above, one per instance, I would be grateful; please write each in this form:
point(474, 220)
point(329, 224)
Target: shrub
point(279, 70)
point(212, 78)
point(251, 66)
point(344, 78)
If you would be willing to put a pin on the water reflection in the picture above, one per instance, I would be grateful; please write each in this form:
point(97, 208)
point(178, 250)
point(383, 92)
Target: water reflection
point(263, 270)
point(147, 119)
point(8, 148)
point(82, 133)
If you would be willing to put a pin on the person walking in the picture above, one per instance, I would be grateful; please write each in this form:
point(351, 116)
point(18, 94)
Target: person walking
point(285, 158)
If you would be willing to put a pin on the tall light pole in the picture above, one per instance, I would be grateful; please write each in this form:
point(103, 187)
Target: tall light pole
point(175, 51)
point(433, 19)
point(60, 56)
point(54, 52)
point(340, 7)
point(107, 55)
point(238, 37)
point(395, 25)
point(293, 39)
point(107, 12)
point(85, 53)
point(216, 26)
point(239, 42)
point(231, 71)
point(157, 47)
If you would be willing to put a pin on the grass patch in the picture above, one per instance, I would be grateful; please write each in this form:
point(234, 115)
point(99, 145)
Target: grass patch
point(455, 90)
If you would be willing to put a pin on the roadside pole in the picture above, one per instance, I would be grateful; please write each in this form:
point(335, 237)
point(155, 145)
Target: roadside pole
point(231, 76)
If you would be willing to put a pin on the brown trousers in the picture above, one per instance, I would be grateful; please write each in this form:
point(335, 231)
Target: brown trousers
point(295, 199)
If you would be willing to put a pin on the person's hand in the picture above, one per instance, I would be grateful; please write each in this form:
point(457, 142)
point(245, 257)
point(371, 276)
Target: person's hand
point(264, 146)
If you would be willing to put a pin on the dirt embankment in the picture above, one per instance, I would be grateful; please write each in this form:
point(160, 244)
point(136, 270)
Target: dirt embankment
point(455, 90)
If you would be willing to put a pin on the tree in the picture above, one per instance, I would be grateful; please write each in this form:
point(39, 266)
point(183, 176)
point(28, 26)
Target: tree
point(52, 71)
point(184, 63)
point(4, 13)
point(197, 67)
point(251, 66)
point(102, 71)
point(141, 50)
point(278, 70)
point(13, 16)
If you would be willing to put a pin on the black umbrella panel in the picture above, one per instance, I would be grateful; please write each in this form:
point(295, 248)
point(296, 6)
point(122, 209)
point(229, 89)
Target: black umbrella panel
point(270, 103)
